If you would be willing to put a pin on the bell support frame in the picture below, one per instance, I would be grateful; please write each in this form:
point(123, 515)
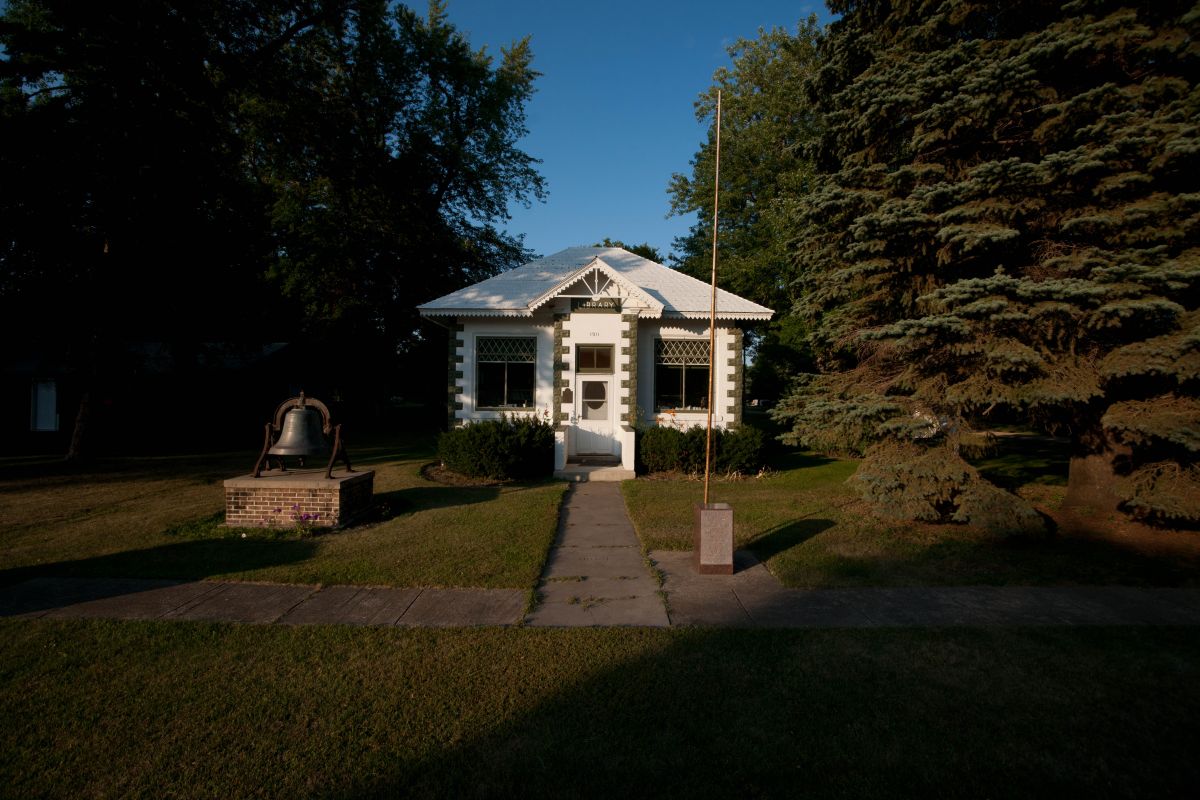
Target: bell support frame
point(273, 427)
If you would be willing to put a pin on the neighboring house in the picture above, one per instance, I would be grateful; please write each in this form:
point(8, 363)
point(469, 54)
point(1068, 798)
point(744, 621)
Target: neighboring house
point(595, 339)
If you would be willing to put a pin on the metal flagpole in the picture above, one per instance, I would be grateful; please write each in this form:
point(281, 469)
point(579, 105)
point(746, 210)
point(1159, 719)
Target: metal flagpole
point(712, 309)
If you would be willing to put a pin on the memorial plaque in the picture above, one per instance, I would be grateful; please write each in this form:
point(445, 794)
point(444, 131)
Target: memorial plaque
point(713, 546)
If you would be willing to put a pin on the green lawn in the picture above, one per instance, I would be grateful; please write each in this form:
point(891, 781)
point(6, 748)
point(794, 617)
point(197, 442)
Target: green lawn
point(155, 518)
point(109, 709)
point(812, 531)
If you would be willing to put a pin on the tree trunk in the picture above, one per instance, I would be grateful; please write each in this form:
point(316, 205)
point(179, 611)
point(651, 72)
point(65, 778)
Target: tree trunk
point(75, 449)
point(1093, 477)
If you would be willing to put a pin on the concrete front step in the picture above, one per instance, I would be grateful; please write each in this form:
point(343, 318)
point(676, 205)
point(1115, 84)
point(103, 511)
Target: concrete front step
point(584, 473)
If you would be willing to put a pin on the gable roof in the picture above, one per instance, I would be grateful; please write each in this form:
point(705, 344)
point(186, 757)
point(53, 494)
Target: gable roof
point(521, 291)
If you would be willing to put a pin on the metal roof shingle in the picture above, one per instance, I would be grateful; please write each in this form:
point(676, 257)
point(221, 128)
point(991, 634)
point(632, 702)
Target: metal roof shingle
point(511, 293)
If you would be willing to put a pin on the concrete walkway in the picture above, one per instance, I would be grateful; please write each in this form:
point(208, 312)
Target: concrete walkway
point(751, 597)
point(595, 574)
point(262, 603)
point(593, 593)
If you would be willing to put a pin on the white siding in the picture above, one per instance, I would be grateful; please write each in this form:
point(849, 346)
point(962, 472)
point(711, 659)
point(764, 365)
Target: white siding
point(596, 328)
point(542, 328)
point(648, 332)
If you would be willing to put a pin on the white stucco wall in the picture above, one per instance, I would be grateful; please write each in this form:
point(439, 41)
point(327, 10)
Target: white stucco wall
point(542, 327)
point(604, 329)
point(599, 329)
point(652, 329)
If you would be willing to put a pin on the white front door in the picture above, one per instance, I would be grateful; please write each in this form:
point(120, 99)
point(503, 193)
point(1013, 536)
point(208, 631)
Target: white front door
point(593, 419)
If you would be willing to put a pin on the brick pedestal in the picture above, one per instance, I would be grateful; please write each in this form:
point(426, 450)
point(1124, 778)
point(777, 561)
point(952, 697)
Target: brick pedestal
point(281, 499)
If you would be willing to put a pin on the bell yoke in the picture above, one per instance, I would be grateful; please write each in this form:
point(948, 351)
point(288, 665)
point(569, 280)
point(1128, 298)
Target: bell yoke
point(304, 431)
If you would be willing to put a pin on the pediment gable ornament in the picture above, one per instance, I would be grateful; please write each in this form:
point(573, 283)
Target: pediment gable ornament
point(596, 283)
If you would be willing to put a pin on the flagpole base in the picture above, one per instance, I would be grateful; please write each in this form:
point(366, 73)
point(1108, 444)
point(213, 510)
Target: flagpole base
point(712, 552)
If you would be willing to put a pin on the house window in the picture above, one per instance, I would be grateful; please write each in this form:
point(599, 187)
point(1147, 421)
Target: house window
point(505, 369)
point(44, 406)
point(595, 358)
point(681, 374)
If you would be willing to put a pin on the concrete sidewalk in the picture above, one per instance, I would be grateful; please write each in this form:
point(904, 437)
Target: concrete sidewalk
point(597, 592)
point(262, 603)
point(752, 597)
point(595, 573)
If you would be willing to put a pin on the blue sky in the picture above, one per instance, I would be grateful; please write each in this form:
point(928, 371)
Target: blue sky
point(613, 116)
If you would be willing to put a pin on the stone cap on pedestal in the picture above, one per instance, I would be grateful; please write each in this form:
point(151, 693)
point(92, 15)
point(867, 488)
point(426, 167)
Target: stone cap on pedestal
point(299, 479)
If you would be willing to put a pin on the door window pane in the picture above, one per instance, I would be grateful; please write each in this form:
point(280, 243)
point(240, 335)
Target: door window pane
point(595, 400)
point(595, 357)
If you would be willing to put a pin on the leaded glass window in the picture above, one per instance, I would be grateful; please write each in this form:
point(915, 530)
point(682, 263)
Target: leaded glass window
point(505, 371)
point(681, 374)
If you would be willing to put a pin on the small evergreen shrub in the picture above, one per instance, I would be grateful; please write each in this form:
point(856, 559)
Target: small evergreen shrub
point(506, 448)
point(691, 449)
point(670, 449)
point(658, 449)
point(998, 512)
point(909, 481)
point(741, 450)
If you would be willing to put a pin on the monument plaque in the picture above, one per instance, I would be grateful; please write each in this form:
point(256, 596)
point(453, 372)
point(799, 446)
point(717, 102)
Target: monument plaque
point(713, 547)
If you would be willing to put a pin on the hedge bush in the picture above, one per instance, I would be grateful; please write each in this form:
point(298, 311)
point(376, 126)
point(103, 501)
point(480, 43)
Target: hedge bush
point(734, 451)
point(658, 449)
point(509, 447)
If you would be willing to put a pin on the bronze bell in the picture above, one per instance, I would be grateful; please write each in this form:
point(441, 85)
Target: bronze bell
point(301, 434)
point(304, 425)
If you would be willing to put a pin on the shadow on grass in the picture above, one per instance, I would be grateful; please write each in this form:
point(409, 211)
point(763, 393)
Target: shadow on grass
point(356, 713)
point(1023, 459)
point(787, 536)
point(401, 502)
point(188, 560)
point(798, 459)
point(833, 713)
point(959, 559)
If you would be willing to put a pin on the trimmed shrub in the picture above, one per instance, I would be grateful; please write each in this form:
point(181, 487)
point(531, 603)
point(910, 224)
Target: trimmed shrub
point(667, 449)
point(741, 450)
point(658, 449)
point(501, 449)
point(691, 449)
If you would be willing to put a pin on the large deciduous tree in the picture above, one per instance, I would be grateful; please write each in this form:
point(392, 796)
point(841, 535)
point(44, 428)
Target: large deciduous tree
point(1006, 225)
point(276, 169)
point(766, 124)
point(391, 149)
